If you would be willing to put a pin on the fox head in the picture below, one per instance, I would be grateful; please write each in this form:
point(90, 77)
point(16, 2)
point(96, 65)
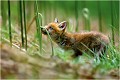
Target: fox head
point(55, 28)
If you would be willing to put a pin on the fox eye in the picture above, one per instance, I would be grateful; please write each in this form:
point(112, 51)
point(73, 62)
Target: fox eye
point(50, 28)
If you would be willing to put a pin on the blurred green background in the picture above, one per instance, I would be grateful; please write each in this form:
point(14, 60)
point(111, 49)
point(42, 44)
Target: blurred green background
point(64, 10)
point(81, 15)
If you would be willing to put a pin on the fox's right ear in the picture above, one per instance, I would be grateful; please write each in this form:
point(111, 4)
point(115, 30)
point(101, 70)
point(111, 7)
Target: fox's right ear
point(56, 20)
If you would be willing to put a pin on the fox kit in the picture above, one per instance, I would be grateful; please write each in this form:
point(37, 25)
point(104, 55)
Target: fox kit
point(92, 42)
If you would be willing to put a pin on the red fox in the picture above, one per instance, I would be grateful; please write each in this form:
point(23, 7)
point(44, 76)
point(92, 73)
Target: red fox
point(93, 42)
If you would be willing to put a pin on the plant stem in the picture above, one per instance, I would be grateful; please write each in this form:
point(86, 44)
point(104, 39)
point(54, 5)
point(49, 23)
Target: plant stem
point(9, 20)
point(100, 16)
point(3, 14)
point(25, 25)
point(112, 22)
point(86, 18)
point(76, 15)
point(38, 26)
point(21, 23)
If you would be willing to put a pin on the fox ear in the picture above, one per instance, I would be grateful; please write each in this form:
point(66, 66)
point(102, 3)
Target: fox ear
point(62, 25)
point(56, 20)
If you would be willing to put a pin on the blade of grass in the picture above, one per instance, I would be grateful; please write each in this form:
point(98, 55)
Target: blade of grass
point(3, 14)
point(119, 36)
point(48, 36)
point(9, 20)
point(25, 25)
point(46, 31)
point(38, 24)
point(112, 21)
point(99, 16)
point(116, 22)
point(50, 42)
point(21, 23)
point(76, 15)
point(86, 18)
point(29, 25)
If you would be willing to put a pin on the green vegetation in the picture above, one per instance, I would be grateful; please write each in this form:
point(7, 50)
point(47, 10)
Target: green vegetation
point(9, 19)
point(81, 15)
point(38, 25)
point(25, 24)
point(108, 61)
point(86, 18)
point(21, 22)
point(100, 17)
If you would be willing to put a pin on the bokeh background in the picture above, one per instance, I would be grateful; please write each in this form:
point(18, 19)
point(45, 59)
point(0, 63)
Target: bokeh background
point(19, 62)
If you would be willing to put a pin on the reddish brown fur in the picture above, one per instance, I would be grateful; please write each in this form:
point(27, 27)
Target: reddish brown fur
point(79, 42)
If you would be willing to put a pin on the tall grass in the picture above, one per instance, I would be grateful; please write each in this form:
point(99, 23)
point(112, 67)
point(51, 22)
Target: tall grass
point(119, 35)
point(38, 25)
point(9, 21)
point(38, 18)
point(21, 22)
point(76, 15)
point(3, 14)
point(99, 16)
point(112, 21)
point(25, 25)
point(86, 18)
point(51, 43)
point(112, 58)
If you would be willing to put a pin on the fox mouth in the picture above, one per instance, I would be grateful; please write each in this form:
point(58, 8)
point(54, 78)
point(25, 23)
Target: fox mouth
point(44, 31)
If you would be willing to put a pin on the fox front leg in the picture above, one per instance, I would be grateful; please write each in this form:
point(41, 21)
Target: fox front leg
point(76, 54)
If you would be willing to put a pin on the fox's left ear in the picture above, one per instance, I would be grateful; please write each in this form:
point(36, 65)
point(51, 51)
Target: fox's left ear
point(62, 25)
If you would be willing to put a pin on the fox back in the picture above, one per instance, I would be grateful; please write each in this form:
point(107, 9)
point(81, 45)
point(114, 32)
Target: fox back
point(93, 42)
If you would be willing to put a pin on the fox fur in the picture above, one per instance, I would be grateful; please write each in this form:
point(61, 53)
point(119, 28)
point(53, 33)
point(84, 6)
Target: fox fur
point(93, 42)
